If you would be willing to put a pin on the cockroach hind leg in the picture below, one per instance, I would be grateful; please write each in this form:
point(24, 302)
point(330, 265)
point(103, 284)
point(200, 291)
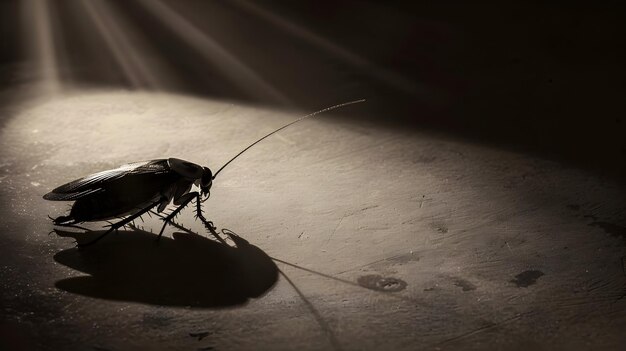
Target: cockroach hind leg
point(63, 220)
point(116, 226)
point(68, 222)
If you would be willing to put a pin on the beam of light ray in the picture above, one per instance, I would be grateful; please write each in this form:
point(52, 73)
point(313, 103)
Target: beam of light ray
point(42, 48)
point(388, 77)
point(113, 44)
point(125, 56)
point(240, 74)
point(152, 66)
point(135, 51)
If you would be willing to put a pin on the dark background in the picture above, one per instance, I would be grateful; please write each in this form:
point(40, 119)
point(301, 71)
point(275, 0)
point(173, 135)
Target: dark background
point(546, 78)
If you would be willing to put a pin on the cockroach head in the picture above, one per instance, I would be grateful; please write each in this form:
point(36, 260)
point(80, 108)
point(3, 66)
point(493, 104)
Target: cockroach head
point(206, 181)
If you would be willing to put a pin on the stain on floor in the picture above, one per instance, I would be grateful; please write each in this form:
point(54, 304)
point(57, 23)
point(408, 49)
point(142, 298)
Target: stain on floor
point(464, 284)
point(527, 278)
point(379, 283)
point(200, 335)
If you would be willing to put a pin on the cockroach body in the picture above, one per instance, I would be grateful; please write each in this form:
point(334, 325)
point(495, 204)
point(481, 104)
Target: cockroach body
point(134, 189)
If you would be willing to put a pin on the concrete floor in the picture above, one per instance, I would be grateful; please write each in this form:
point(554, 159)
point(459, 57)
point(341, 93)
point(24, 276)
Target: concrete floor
point(357, 237)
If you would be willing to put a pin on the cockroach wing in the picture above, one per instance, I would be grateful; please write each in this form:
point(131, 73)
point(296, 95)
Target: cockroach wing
point(70, 196)
point(95, 183)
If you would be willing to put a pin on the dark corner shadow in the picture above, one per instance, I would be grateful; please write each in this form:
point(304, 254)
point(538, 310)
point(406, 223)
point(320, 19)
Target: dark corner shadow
point(186, 270)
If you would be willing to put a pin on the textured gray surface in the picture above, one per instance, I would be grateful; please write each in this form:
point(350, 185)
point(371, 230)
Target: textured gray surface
point(430, 242)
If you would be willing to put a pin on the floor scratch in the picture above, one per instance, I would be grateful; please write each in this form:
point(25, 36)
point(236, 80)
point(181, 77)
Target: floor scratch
point(336, 227)
point(482, 329)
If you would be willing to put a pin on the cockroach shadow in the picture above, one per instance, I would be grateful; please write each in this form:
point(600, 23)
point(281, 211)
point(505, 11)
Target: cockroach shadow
point(186, 270)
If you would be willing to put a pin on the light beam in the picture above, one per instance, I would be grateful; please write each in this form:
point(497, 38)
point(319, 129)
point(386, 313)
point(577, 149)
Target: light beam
point(122, 51)
point(40, 36)
point(387, 76)
point(236, 70)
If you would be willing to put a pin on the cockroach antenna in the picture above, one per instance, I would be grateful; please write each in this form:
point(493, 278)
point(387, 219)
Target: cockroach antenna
point(287, 125)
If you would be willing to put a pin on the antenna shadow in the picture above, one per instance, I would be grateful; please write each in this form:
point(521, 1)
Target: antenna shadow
point(186, 270)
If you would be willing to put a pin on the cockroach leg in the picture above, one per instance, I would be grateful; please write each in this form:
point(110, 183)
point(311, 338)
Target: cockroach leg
point(184, 201)
point(69, 225)
point(116, 226)
point(74, 226)
point(208, 224)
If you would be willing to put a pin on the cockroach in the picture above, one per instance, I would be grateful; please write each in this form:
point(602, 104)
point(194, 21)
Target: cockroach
point(134, 189)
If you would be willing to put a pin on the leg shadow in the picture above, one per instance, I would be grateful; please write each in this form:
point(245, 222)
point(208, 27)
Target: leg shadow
point(188, 270)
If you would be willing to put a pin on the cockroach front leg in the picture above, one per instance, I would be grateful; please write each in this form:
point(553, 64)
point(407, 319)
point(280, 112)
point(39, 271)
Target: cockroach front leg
point(200, 214)
point(207, 224)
